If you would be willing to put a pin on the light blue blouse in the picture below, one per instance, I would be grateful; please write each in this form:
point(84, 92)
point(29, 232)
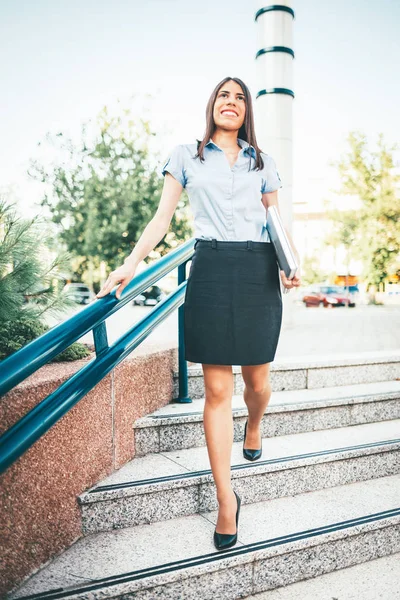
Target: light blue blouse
point(226, 202)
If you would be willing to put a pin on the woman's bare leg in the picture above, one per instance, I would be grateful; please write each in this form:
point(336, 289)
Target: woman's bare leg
point(257, 394)
point(218, 429)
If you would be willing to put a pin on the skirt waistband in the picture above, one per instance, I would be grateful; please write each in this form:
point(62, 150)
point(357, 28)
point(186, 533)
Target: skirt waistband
point(233, 245)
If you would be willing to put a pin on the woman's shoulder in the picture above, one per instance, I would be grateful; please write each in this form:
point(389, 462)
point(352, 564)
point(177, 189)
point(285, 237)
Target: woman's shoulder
point(268, 160)
point(190, 147)
point(265, 156)
point(181, 153)
point(186, 148)
point(269, 174)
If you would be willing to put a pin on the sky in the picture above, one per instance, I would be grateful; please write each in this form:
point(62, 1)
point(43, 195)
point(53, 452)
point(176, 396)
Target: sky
point(63, 60)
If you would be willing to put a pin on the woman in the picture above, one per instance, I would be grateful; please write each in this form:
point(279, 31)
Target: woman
point(233, 303)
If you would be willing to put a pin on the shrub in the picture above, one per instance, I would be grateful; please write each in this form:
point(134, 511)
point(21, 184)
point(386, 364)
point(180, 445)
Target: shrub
point(30, 283)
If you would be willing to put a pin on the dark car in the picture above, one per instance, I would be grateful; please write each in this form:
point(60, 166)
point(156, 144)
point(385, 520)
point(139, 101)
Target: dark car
point(149, 297)
point(80, 292)
point(328, 296)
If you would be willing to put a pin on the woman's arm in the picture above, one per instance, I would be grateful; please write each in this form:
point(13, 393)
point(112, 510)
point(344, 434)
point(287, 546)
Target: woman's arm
point(152, 234)
point(159, 224)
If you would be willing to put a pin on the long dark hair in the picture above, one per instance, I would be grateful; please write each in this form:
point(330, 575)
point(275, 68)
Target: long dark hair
point(246, 131)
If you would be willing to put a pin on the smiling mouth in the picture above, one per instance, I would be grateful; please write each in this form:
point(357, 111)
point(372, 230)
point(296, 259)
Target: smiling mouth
point(231, 113)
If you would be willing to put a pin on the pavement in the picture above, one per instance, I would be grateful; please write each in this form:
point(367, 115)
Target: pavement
point(305, 331)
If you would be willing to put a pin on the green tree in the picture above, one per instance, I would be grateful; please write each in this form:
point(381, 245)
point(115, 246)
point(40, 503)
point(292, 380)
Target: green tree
point(103, 192)
point(31, 281)
point(344, 233)
point(311, 271)
point(372, 232)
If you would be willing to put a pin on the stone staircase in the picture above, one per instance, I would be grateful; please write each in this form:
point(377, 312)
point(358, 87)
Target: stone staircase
point(325, 495)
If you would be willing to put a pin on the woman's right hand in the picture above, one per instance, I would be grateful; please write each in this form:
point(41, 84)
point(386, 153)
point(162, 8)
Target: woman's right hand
point(122, 275)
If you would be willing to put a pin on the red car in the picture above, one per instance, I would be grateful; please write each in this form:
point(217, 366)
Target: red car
point(328, 296)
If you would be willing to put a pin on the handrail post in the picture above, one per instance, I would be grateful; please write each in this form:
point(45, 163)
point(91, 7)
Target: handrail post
point(183, 397)
point(100, 338)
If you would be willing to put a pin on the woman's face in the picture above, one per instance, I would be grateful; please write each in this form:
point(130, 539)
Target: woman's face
point(230, 97)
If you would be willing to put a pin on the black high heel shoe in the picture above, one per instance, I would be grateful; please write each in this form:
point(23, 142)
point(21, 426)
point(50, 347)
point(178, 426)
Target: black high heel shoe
point(251, 454)
point(222, 541)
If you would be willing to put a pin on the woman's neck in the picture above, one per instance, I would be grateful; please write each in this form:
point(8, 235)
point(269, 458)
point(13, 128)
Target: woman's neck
point(226, 140)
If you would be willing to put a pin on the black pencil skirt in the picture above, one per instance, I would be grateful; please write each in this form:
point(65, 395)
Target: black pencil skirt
point(233, 303)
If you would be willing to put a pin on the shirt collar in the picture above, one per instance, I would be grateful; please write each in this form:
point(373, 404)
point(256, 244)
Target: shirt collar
point(242, 144)
point(247, 146)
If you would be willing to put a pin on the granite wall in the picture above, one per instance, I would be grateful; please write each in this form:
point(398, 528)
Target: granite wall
point(40, 515)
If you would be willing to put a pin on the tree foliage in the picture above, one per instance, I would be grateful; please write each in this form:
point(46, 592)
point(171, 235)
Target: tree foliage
point(103, 192)
point(31, 280)
point(371, 232)
point(311, 270)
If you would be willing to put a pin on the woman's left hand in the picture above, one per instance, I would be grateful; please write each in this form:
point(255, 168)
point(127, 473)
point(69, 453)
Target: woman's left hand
point(291, 283)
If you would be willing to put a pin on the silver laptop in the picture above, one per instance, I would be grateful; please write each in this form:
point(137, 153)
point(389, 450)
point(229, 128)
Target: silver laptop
point(284, 253)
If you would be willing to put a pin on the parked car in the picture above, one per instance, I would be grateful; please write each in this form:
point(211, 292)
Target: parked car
point(150, 297)
point(328, 296)
point(354, 293)
point(81, 293)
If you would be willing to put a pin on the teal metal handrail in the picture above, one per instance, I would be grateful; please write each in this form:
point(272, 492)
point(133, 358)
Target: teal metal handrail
point(17, 367)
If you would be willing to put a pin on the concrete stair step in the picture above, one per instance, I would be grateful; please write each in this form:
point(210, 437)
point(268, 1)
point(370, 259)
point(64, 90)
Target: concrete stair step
point(179, 426)
point(373, 580)
point(173, 484)
point(292, 373)
point(280, 541)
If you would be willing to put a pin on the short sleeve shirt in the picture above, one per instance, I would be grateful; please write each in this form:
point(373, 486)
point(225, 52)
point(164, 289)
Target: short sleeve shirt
point(225, 201)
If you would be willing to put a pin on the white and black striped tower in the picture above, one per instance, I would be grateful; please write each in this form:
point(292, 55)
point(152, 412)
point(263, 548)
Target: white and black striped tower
point(274, 98)
point(274, 106)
